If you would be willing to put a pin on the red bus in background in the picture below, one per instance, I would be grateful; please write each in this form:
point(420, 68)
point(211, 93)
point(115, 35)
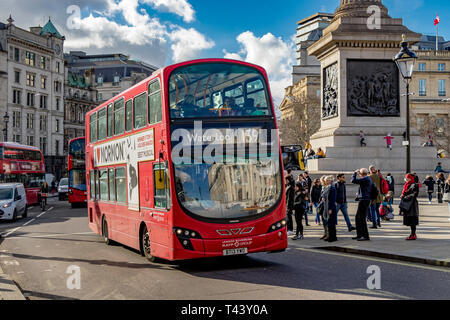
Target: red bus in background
point(23, 164)
point(76, 167)
point(156, 184)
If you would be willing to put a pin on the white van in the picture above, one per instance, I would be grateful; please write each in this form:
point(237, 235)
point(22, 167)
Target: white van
point(13, 201)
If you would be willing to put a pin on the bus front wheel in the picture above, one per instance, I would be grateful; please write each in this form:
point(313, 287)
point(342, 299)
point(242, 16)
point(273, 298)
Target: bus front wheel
point(145, 239)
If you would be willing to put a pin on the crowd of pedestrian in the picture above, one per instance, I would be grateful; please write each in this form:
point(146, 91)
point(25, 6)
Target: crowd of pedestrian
point(327, 197)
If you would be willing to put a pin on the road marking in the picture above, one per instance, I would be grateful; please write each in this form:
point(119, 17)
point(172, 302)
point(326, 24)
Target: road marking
point(48, 270)
point(20, 272)
point(12, 231)
point(354, 256)
point(11, 263)
point(29, 222)
point(51, 235)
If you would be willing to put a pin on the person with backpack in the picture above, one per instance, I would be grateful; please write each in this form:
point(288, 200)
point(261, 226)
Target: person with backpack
point(365, 187)
point(409, 205)
point(430, 183)
point(375, 203)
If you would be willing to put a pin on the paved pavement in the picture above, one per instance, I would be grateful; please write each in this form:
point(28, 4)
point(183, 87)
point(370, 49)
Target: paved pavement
point(432, 246)
point(42, 252)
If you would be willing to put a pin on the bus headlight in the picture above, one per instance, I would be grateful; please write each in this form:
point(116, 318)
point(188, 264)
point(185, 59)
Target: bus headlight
point(277, 226)
point(185, 236)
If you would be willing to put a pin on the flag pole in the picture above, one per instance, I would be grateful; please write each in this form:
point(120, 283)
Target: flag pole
point(437, 33)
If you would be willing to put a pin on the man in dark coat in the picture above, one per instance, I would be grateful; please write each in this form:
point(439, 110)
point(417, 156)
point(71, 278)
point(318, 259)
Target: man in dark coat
point(341, 200)
point(365, 184)
point(290, 195)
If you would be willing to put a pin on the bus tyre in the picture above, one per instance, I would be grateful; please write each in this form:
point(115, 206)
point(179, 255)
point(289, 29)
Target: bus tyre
point(108, 241)
point(25, 212)
point(146, 250)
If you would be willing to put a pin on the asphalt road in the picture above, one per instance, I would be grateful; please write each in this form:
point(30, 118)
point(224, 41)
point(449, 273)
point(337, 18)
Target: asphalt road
point(43, 252)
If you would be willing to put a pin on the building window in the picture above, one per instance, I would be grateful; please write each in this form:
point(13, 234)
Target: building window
point(43, 144)
point(30, 140)
point(17, 76)
point(17, 96)
point(16, 119)
point(30, 58)
point(16, 54)
point(441, 67)
point(422, 88)
point(422, 66)
point(30, 79)
point(116, 79)
point(100, 97)
point(43, 82)
point(57, 104)
point(42, 62)
point(57, 125)
point(442, 90)
point(57, 86)
point(30, 121)
point(43, 104)
point(57, 147)
point(440, 126)
point(100, 80)
point(30, 99)
point(17, 138)
point(57, 67)
point(43, 123)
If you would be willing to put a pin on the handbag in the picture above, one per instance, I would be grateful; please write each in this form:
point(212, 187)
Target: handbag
point(446, 197)
point(405, 205)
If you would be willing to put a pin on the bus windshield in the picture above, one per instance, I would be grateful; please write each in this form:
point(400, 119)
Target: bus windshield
point(77, 179)
point(76, 149)
point(218, 90)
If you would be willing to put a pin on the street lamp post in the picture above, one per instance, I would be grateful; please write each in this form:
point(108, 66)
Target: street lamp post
point(405, 60)
point(6, 120)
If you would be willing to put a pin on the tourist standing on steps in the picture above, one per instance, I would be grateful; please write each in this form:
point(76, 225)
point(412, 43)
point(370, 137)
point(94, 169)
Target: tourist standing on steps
point(365, 183)
point(375, 204)
point(409, 206)
point(446, 192)
point(388, 139)
point(430, 183)
point(362, 139)
point(341, 200)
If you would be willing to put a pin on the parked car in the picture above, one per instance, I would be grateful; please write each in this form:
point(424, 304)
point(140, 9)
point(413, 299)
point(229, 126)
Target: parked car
point(13, 201)
point(63, 189)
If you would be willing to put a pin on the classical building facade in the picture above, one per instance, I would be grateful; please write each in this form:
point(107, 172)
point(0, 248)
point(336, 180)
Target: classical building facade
point(35, 89)
point(309, 30)
point(80, 97)
point(430, 104)
point(3, 89)
point(305, 90)
point(113, 73)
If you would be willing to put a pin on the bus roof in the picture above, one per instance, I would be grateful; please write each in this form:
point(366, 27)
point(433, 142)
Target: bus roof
point(172, 67)
point(18, 146)
point(75, 139)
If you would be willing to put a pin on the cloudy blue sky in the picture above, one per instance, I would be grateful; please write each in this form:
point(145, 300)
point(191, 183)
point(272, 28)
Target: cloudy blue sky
point(161, 32)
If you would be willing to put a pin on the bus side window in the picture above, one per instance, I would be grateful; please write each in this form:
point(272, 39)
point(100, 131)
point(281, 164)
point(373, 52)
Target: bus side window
point(104, 195)
point(112, 187)
point(119, 117)
point(102, 124)
point(110, 120)
point(140, 111)
point(154, 102)
point(92, 184)
point(121, 186)
point(93, 128)
point(161, 187)
point(97, 186)
point(129, 115)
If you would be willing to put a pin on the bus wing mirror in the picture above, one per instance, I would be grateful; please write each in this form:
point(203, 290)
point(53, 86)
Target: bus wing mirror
point(160, 179)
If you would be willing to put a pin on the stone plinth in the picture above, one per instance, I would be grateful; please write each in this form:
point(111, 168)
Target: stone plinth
point(362, 89)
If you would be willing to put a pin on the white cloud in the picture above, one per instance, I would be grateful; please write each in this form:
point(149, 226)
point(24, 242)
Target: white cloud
point(187, 44)
point(272, 53)
point(180, 7)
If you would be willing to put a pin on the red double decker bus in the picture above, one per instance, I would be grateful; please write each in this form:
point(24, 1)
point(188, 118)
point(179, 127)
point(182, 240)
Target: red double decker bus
point(76, 166)
point(187, 164)
point(24, 164)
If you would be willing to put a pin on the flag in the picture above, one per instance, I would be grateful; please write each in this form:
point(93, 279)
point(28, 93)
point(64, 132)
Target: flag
point(437, 20)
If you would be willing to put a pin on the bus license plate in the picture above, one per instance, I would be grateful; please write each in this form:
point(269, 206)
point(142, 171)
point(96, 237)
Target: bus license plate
point(234, 252)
